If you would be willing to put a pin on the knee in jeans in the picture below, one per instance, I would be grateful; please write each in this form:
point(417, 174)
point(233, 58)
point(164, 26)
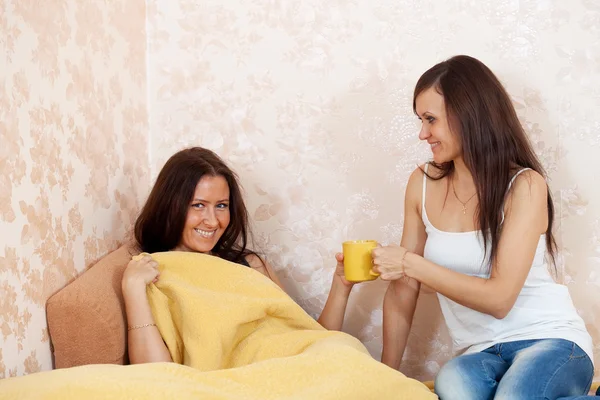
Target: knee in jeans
point(450, 382)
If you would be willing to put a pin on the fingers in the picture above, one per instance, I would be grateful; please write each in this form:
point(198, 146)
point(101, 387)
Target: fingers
point(377, 251)
point(339, 257)
point(149, 261)
point(385, 254)
point(376, 255)
point(148, 267)
point(154, 266)
point(392, 276)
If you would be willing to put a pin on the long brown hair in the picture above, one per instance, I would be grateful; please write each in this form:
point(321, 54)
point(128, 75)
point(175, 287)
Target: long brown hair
point(493, 141)
point(160, 224)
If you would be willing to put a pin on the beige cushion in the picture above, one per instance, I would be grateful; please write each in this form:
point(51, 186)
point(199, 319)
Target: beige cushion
point(86, 319)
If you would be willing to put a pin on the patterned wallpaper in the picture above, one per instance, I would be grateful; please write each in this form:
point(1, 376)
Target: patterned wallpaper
point(73, 153)
point(310, 101)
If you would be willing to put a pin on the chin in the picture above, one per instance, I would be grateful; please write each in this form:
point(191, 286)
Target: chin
point(439, 160)
point(201, 246)
point(204, 248)
point(442, 158)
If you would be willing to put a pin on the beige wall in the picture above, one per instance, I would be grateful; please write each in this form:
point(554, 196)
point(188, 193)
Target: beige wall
point(310, 101)
point(73, 153)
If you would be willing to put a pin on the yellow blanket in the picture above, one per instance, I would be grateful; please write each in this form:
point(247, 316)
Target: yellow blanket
point(238, 336)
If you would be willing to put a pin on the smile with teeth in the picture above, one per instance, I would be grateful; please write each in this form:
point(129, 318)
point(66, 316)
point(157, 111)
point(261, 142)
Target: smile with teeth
point(434, 145)
point(206, 234)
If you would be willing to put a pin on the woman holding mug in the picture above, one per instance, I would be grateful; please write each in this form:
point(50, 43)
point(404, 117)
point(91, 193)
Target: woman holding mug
point(478, 230)
point(196, 205)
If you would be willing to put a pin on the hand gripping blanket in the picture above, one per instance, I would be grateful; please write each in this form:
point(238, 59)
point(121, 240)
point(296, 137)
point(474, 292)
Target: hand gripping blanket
point(232, 334)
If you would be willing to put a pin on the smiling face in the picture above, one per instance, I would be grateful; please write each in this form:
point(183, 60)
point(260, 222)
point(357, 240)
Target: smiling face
point(208, 215)
point(431, 110)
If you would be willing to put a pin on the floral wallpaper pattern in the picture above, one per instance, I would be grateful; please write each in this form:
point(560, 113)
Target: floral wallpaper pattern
point(73, 154)
point(309, 101)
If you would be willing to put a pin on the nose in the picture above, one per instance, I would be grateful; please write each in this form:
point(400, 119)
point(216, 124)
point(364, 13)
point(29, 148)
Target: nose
point(210, 218)
point(424, 133)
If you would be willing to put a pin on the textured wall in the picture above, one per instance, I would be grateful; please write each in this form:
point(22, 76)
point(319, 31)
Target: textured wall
point(73, 153)
point(311, 103)
point(308, 100)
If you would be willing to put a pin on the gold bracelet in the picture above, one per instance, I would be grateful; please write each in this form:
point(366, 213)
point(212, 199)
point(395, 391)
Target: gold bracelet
point(402, 262)
point(139, 326)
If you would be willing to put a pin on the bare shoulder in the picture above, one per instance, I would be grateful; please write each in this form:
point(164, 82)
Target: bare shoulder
point(417, 174)
point(415, 181)
point(414, 188)
point(262, 265)
point(416, 177)
point(527, 201)
point(255, 261)
point(529, 186)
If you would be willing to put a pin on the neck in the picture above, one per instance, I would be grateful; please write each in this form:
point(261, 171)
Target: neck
point(462, 176)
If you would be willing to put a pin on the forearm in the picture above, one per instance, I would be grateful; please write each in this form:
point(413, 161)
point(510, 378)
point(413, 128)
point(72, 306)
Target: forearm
point(399, 306)
point(144, 344)
point(479, 294)
point(332, 316)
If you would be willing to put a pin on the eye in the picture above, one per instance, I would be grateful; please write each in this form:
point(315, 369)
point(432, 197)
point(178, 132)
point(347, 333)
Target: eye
point(430, 119)
point(223, 205)
point(197, 206)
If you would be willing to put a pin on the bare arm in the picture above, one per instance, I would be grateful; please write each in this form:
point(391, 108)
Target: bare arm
point(332, 316)
point(401, 296)
point(526, 219)
point(145, 344)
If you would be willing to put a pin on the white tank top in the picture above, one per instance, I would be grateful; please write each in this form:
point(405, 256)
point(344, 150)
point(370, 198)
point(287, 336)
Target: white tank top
point(543, 310)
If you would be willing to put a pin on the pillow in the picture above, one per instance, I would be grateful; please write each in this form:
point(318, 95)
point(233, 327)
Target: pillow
point(86, 319)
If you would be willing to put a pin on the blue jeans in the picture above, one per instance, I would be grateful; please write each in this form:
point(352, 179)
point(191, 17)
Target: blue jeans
point(546, 369)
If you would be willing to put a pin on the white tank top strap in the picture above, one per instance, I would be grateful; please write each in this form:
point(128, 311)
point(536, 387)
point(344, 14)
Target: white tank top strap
point(423, 211)
point(424, 186)
point(510, 185)
point(515, 177)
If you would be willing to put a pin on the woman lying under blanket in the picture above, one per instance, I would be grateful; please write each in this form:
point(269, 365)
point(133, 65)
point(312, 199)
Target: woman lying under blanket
point(196, 205)
point(207, 317)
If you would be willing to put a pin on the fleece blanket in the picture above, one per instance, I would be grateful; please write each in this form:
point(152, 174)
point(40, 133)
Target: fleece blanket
point(232, 334)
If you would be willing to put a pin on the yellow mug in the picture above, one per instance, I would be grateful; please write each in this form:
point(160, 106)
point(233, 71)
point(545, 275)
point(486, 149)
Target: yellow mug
point(358, 261)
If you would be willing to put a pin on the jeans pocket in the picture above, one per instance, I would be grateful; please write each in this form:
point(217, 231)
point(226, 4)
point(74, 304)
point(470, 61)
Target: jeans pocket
point(581, 367)
point(578, 353)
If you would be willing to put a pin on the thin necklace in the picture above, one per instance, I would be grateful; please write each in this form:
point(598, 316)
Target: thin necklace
point(464, 204)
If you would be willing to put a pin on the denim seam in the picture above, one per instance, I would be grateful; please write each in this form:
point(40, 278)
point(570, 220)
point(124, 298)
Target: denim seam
point(487, 371)
point(571, 357)
point(589, 385)
point(589, 361)
point(554, 374)
point(578, 357)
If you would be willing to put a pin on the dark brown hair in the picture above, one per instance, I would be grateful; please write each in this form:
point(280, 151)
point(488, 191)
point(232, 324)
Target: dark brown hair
point(160, 224)
point(493, 141)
